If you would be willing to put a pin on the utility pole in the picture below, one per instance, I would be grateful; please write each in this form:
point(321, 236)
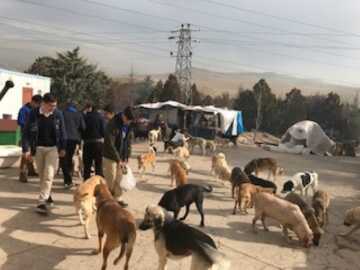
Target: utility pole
point(183, 59)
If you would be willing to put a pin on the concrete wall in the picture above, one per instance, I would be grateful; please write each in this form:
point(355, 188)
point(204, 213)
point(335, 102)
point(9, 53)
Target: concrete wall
point(13, 99)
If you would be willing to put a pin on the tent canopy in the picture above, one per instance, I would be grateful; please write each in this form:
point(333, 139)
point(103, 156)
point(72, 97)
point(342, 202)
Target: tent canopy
point(310, 135)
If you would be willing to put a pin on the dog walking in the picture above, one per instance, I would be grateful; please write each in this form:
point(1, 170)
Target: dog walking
point(44, 137)
point(117, 150)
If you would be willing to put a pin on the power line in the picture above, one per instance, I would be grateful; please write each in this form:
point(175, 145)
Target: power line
point(252, 11)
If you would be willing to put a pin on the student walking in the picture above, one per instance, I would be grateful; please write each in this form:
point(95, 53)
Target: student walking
point(27, 166)
point(117, 150)
point(93, 141)
point(45, 138)
point(75, 126)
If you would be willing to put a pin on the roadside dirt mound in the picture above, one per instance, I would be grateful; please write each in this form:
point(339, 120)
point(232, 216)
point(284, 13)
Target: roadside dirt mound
point(247, 138)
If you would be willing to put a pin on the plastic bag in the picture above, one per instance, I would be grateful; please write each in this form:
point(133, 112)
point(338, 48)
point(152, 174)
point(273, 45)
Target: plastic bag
point(128, 181)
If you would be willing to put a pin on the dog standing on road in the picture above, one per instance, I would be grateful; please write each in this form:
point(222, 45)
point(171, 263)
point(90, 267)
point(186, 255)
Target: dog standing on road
point(178, 173)
point(173, 200)
point(154, 135)
point(302, 182)
point(237, 178)
point(117, 223)
point(321, 203)
point(146, 160)
point(176, 240)
point(258, 165)
point(220, 167)
point(309, 214)
point(197, 141)
point(287, 213)
point(84, 201)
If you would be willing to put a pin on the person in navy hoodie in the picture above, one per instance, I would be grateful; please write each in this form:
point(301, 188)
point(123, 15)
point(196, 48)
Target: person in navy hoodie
point(27, 166)
point(75, 126)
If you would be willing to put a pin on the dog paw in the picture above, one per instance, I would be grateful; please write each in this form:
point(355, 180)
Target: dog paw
point(116, 261)
point(95, 252)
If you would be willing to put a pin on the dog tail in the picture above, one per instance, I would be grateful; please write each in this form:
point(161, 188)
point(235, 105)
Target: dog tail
point(207, 189)
point(217, 260)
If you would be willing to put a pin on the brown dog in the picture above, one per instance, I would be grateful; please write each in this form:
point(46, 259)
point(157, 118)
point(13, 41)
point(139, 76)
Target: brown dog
point(259, 165)
point(309, 214)
point(177, 173)
point(245, 194)
point(352, 218)
point(287, 213)
point(84, 201)
point(117, 223)
point(146, 160)
point(321, 203)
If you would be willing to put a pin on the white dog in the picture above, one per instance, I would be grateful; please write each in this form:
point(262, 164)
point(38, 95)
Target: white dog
point(302, 182)
point(154, 135)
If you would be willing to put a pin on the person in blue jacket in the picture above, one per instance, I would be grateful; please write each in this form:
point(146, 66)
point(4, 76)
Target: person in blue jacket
point(27, 167)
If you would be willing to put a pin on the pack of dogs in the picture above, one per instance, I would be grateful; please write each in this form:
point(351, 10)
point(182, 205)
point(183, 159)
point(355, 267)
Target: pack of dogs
point(291, 206)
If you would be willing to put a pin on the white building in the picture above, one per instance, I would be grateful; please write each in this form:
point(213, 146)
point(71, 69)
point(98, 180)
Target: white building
point(26, 85)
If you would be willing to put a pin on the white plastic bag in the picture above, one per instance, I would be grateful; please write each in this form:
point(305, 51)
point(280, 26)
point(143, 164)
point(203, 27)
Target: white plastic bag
point(128, 181)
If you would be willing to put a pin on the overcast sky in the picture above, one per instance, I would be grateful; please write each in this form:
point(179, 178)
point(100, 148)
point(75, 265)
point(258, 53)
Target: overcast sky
point(308, 39)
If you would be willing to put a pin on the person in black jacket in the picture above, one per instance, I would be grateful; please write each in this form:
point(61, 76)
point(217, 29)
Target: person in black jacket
point(44, 136)
point(75, 126)
point(117, 150)
point(93, 137)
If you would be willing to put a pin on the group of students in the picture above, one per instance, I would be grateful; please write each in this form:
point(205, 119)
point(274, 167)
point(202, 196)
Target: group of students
point(50, 135)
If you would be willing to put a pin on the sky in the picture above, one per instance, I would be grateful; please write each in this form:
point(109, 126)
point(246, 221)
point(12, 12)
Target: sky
point(307, 39)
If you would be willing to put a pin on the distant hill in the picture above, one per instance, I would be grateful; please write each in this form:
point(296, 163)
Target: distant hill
point(213, 82)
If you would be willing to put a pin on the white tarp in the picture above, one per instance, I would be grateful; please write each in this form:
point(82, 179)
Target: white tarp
point(310, 135)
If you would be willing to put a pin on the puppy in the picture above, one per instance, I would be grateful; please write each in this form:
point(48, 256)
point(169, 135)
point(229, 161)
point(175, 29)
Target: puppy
point(288, 214)
point(309, 214)
point(178, 173)
point(173, 200)
point(237, 178)
point(181, 153)
point(84, 201)
point(262, 182)
point(197, 141)
point(352, 218)
point(321, 203)
point(301, 182)
point(259, 165)
point(245, 194)
point(117, 223)
point(146, 160)
point(176, 240)
point(154, 135)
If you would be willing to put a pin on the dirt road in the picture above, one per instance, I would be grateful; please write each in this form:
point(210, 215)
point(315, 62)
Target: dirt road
point(29, 241)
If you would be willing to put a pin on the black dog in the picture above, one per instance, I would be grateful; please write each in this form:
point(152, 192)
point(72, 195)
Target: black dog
point(262, 182)
point(237, 178)
point(173, 200)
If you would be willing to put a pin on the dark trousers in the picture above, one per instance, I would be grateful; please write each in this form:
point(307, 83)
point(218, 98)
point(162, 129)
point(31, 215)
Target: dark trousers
point(93, 153)
point(66, 163)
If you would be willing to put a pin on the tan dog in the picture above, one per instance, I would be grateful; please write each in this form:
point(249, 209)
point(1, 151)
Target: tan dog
point(197, 141)
point(84, 201)
point(245, 194)
point(154, 136)
point(321, 203)
point(210, 146)
point(287, 213)
point(352, 218)
point(220, 167)
point(146, 160)
point(117, 223)
point(259, 165)
point(181, 153)
point(177, 173)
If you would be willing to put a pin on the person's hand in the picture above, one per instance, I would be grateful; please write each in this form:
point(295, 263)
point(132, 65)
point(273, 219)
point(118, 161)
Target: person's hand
point(62, 153)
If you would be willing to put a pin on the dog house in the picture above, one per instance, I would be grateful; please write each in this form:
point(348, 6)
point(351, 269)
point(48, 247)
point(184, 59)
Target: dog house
point(25, 86)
